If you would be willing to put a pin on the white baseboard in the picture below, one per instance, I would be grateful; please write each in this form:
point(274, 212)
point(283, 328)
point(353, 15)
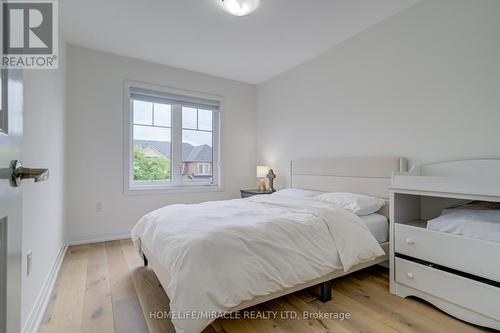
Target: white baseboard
point(96, 237)
point(34, 319)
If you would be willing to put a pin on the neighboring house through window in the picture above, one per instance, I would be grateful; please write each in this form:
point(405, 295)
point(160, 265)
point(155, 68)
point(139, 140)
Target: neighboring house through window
point(173, 139)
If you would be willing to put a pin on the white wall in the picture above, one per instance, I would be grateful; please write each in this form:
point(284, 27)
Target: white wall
point(424, 84)
point(43, 203)
point(95, 140)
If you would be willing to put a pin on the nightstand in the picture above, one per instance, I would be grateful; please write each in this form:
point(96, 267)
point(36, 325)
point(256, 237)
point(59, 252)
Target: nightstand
point(252, 192)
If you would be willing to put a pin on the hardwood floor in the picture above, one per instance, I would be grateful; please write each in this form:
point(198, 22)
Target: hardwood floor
point(103, 287)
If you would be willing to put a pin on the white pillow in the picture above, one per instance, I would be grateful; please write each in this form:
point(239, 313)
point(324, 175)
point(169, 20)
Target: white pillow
point(298, 193)
point(357, 203)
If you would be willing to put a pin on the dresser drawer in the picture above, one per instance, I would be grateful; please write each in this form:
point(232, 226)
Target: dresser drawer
point(467, 293)
point(465, 254)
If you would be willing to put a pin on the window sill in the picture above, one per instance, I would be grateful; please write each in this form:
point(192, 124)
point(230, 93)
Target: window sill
point(172, 189)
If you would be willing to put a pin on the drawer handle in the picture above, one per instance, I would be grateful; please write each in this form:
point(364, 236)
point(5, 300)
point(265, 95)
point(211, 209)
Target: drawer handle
point(409, 241)
point(409, 275)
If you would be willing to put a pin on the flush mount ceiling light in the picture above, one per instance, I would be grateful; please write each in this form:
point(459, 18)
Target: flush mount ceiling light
point(240, 7)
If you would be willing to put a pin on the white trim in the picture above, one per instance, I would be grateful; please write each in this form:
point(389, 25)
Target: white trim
point(96, 237)
point(176, 144)
point(216, 137)
point(127, 136)
point(174, 189)
point(34, 319)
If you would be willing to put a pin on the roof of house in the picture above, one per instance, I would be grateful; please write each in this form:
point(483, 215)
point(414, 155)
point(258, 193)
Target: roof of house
point(201, 153)
point(190, 153)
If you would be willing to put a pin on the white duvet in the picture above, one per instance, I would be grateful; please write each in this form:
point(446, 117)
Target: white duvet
point(219, 254)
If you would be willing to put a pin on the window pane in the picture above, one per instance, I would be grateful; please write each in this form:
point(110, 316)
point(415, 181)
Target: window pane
point(151, 133)
point(205, 120)
point(189, 118)
point(162, 115)
point(152, 153)
point(197, 156)
point(143, 113)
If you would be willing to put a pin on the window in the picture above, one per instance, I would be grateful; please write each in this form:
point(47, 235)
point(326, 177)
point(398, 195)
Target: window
point(204, 169)
point(173, 139)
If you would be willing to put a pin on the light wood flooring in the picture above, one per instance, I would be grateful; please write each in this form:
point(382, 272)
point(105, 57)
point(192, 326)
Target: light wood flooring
point(103, 287)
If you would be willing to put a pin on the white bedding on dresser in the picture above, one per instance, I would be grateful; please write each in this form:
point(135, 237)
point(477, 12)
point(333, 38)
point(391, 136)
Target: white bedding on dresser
point(378, 226)
point(474, 223)
point(219, 254)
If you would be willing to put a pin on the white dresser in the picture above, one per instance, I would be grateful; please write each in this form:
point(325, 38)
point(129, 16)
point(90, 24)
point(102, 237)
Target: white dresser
point(458, 274)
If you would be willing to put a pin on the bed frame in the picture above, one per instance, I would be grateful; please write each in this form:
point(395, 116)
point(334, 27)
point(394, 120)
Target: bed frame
point(364, 175)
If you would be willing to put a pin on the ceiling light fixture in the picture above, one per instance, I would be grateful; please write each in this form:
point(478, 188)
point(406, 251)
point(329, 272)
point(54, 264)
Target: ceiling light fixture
point(240, 7)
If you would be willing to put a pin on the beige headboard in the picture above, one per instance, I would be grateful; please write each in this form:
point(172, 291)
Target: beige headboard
point(364, 175)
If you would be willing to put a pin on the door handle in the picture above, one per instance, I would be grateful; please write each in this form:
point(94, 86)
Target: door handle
point(16, 173)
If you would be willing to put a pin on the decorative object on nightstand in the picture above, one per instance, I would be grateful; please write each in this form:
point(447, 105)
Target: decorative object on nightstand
point(252, 192)
point(271, 176)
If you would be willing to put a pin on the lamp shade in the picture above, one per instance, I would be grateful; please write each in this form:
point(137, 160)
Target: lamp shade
point(262, 171)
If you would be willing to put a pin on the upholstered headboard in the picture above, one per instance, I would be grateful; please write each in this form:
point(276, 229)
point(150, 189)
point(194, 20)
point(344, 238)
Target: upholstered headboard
point(364, 175)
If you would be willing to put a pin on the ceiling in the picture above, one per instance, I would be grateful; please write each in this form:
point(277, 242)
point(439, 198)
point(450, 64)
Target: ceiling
point(198, 35)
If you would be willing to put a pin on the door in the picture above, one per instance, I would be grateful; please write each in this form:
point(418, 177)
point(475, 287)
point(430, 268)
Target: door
point(10, 201)
point(11, 131)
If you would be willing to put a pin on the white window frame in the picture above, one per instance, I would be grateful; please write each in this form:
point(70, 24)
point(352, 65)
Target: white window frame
point(176, 184)
point(203, 165)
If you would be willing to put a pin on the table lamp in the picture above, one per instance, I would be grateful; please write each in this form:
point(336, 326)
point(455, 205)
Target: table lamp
point(262, 171)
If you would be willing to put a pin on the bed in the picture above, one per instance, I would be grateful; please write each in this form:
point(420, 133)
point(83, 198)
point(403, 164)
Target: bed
point(279, 245)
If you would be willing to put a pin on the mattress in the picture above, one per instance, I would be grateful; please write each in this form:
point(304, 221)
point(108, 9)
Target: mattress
point(475, 223)
point(378, 225)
